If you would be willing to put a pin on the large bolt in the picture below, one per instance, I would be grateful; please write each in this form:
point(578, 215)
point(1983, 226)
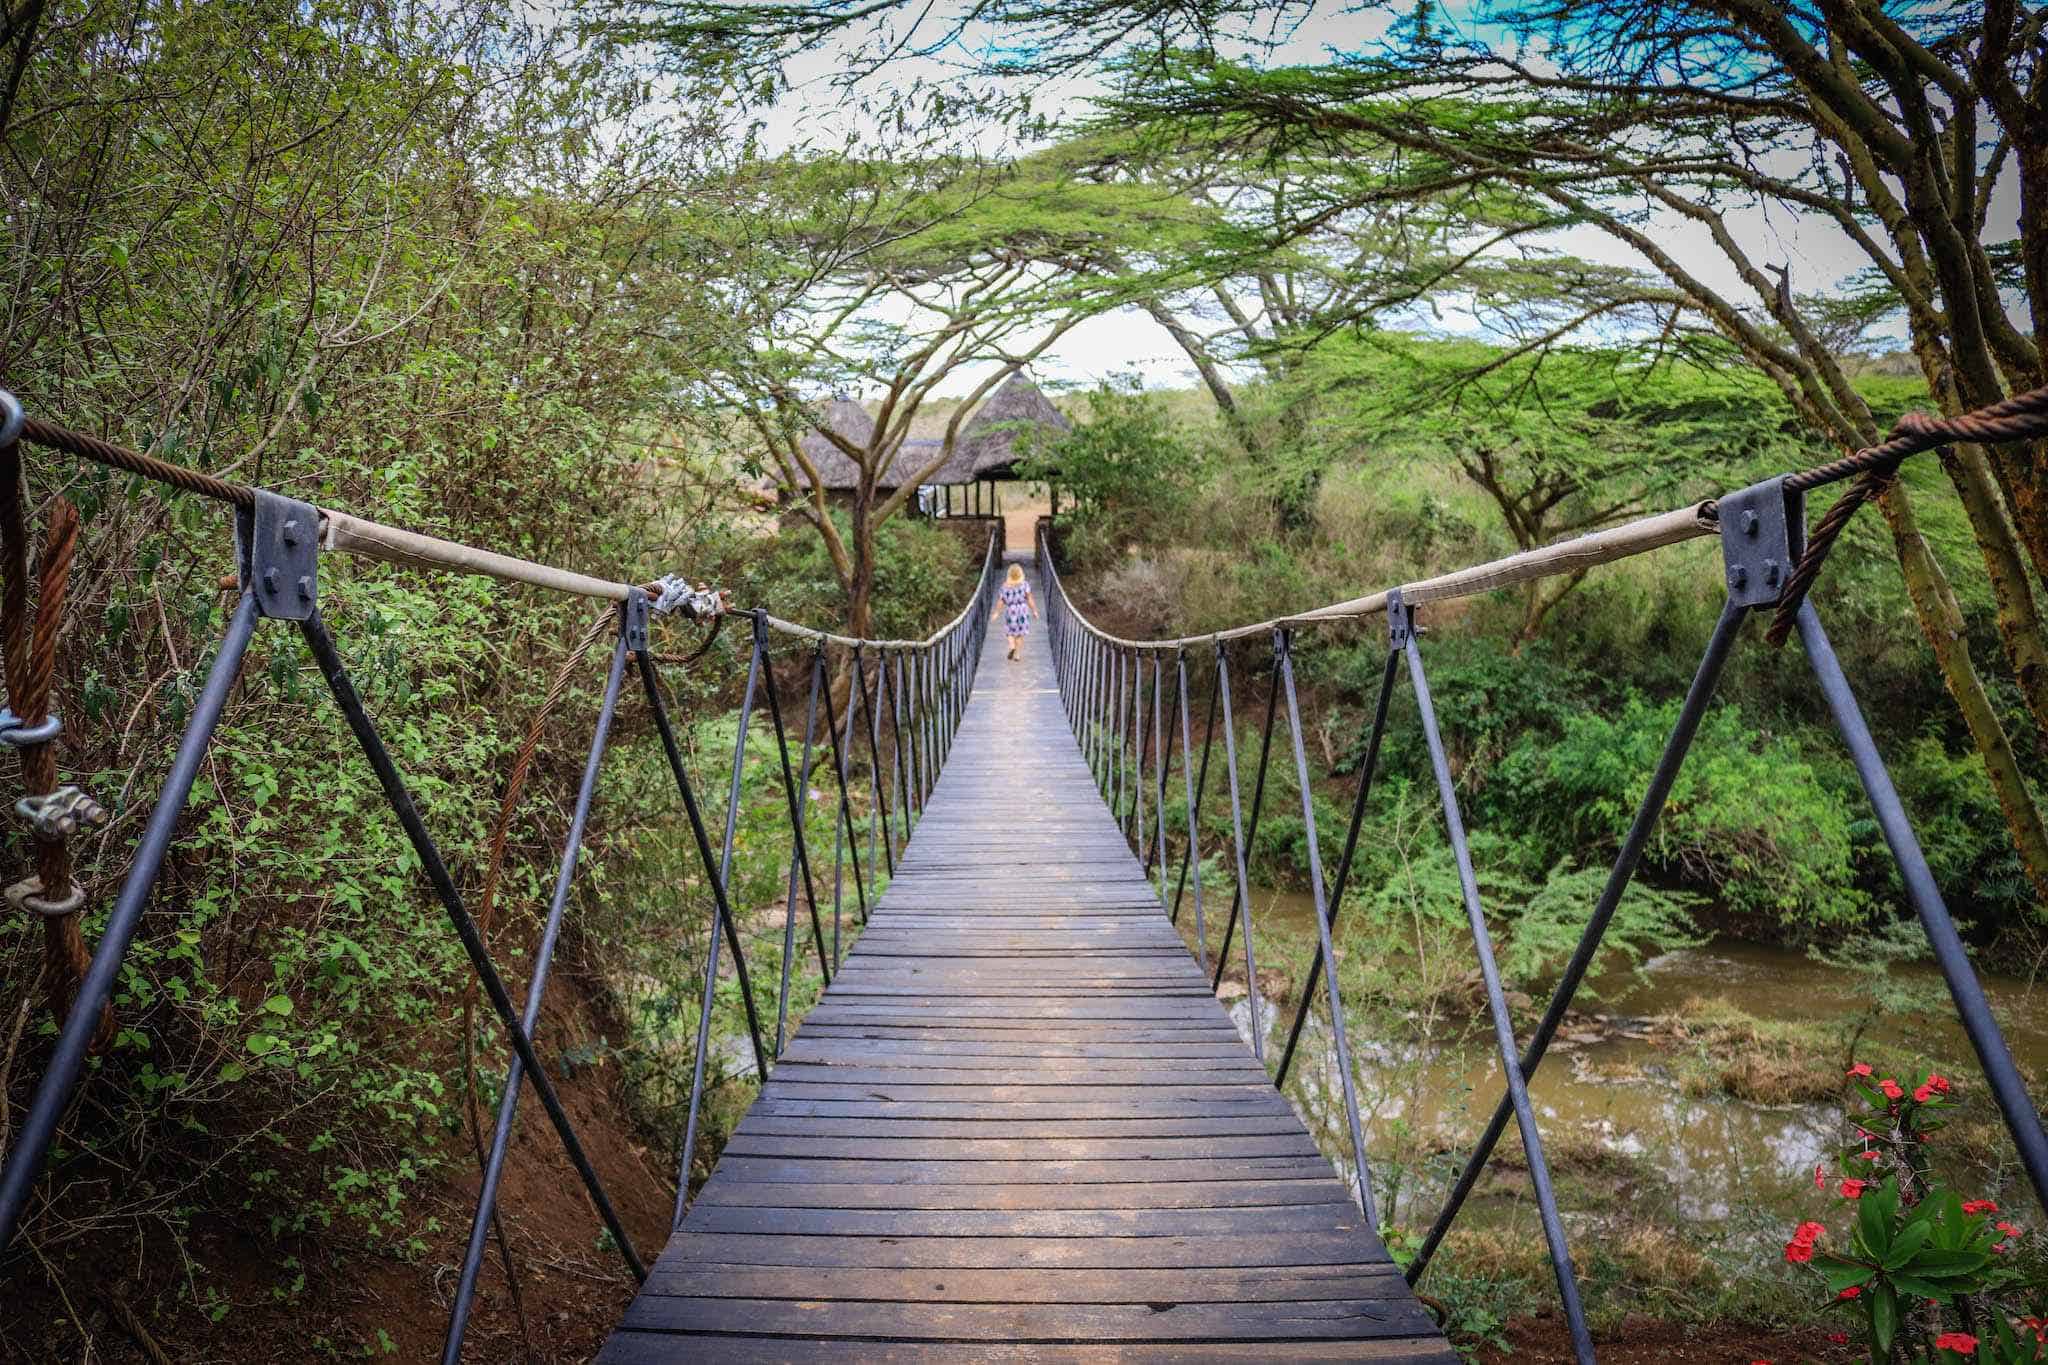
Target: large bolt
point(305, 588)
point(1749, 522)
point(1738, 577)
point(270, 581)
point(1770, 573)
point(290, 532)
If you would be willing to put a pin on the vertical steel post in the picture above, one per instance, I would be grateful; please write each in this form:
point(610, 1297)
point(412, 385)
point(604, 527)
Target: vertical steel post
point(1192, 858)
point(789, 789)
point(1143, 848)
point(1244, 890)
point(842, 733)
point(798, 815)
point(1365, 776)
point(877, 784)
point(1162, 753)
point(2022, 1119)
point(536, 991)
point(1251, 835)
point(436, 871)
point(1340, 1044)
point(1401, 622)
point(1705, 678)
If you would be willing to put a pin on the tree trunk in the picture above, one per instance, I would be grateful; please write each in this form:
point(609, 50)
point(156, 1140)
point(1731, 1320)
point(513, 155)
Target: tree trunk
point(1941, 619)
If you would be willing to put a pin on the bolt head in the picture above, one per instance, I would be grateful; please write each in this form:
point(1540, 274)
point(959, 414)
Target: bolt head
point(289, 533)
point(270, 580)
point(305, 588)
point(1770, 573)
point(1738, 576)
point(1750, 525)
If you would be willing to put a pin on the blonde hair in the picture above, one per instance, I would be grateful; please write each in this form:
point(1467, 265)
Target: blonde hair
point(1016, 573)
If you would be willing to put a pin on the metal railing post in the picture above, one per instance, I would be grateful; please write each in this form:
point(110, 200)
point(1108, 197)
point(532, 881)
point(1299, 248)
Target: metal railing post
point(1244, 889)
point(799, 814)
point(2008, 1089)
point(436, 871)
point(1401, 624)
point(1251, 834)
point(536, 990)
point(1365, 776)
point(1339, 1034)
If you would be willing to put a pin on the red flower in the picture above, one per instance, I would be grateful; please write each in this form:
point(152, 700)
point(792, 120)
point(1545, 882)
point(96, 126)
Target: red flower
point(1923, 1093)
point(1852, 1189)
point(1798, 1253)
point(1868, 1156)
point(1838, 1338)
point(2001, 1247)
point(1937, 1082)
point(1890, 1088)
point(1980, 1206)
point(1852, 1292)
point(1962, 1343)
point(2009, 1229)
point(1808, 1233)
point(1860, 1069)
point(1820, 1177)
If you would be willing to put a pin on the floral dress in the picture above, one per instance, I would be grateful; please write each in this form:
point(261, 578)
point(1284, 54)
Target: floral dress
point(1016, 609)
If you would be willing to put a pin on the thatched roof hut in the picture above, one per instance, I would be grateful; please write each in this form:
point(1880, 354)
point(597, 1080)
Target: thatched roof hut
point(1001, 432)
point(835, 467)
point(1008, 427)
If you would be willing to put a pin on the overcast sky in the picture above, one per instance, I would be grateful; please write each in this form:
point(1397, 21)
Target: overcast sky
point(1815, 250)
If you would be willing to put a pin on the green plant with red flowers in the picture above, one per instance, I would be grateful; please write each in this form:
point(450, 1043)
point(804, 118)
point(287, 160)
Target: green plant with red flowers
point(1933, 1276)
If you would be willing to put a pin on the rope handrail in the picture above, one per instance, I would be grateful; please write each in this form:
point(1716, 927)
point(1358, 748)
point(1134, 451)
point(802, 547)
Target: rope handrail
point(826, 637)
point(380, 541)
point(1567, 556)
point(2024, 416)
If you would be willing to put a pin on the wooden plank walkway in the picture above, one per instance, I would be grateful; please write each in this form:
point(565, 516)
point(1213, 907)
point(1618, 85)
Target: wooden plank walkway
point(1019, 1126)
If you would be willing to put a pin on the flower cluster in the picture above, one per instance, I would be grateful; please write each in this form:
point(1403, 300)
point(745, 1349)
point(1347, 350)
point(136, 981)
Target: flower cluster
point(1800, 1249)
point(1916, 1253)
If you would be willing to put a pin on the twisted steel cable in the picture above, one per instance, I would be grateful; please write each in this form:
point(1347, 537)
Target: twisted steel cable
point(2022, 417)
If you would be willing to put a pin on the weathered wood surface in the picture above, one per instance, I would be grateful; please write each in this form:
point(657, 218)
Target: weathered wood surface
point(1019, 1126)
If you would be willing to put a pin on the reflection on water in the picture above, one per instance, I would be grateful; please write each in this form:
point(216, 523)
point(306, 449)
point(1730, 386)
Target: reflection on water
point(1616, 1093)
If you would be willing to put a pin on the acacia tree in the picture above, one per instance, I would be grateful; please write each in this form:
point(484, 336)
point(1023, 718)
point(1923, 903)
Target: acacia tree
point(1561, 440)
point(1286, 246)
point(1695, 108)
point(896, 279)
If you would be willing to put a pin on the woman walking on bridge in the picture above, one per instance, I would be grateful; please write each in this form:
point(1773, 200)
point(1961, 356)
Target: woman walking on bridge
point(1017, 608)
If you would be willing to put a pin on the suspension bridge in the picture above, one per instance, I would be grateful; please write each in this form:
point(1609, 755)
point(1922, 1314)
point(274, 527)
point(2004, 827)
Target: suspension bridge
point(1018, 1124)
point(1019, 1118)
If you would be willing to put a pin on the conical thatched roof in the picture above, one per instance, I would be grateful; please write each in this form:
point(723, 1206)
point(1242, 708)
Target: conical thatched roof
point(1006, 428)
point(1002, 431)
point(835, 468)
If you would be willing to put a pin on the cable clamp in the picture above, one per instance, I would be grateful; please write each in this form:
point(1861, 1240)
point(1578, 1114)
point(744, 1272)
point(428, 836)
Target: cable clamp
point(54, 815)
point(27, 895)
point(701, 603)
point(16, 735)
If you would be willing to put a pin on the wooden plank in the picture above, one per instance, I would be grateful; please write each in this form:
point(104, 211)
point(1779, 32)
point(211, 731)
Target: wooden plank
point(1002, 1253)
point(661, 1348)
point(941, 1321)
point(732, 1191)
point(1258, 1284)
